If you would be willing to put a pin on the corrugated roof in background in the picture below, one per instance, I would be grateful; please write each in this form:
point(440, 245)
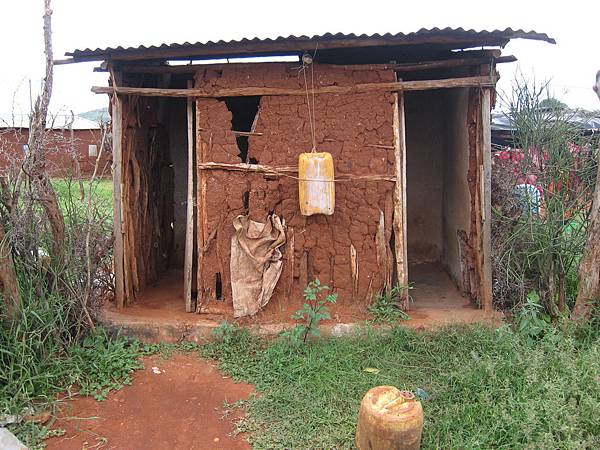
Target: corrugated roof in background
point(448, 37)
point(58, 122)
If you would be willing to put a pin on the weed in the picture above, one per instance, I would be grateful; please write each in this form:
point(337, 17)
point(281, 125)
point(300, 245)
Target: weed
point(106, 364)
point(386, 307)
point(533, 322)
point(314, 310)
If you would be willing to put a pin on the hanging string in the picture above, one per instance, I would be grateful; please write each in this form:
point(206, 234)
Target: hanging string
point(307, 60)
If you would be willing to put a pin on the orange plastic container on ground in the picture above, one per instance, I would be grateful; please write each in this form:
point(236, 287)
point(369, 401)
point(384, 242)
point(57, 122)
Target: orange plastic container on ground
point(317, 183)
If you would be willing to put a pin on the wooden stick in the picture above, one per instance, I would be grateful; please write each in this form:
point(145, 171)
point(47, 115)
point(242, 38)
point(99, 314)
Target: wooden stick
point(202, 221)
point(245, 167)
point(399, 223)
point(117, 133)
point(389, 147)
point(283, 170)
point(447, 63)
point(189, 229)
point(486, 199)
point(246, 133)
point(419, 85)
point(290, 263)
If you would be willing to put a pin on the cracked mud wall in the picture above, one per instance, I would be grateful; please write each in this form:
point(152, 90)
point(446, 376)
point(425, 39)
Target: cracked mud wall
point(346, 126)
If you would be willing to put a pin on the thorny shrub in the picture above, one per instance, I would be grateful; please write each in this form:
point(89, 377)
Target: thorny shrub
point(541, 201)
point(58, 296)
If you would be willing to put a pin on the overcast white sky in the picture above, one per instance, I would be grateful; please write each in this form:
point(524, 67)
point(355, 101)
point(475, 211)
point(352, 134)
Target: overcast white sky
point(571, 64)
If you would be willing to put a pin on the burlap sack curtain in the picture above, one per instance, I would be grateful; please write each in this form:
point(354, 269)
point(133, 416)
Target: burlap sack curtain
point(256, 262)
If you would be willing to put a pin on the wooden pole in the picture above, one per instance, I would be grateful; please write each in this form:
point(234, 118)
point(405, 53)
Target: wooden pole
point(589, 269)
point(201, 222)
point(117, 138)
point(485, 147)
point(285, 170)
point(399, 223)
point(419, 85)
point(189, 228)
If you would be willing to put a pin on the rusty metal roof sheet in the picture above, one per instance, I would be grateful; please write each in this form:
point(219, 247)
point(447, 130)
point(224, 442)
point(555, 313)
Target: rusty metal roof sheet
point(447, 38)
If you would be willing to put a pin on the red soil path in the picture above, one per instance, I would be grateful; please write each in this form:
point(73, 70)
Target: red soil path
point(180, 408)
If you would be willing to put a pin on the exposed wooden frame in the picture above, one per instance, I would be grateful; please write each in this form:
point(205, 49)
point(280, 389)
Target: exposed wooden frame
point(399, 219)
point(420, 85)
point(118, 252)
point(485, 149)
point(189, 228)
point(202, 220)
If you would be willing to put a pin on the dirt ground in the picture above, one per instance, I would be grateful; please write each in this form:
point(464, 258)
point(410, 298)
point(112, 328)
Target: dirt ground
point(182, 407)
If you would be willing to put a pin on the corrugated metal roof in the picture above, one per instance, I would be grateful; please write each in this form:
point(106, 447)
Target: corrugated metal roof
point(58, 122)
point(447, 37)
point(583, 120)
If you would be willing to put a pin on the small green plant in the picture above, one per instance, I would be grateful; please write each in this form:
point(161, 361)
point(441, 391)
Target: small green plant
point(314, 310)
point(532, 322)
point(386, 307)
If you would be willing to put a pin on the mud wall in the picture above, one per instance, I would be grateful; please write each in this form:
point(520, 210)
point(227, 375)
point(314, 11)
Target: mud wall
point(346, 126)
point(424, 112)
point(456, 199)
point(63, 154)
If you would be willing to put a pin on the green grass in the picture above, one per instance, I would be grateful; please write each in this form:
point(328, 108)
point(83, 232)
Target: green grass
point(488, 388)
point(102, 190)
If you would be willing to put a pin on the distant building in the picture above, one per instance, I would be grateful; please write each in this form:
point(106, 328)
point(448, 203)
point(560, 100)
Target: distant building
point(67, 145)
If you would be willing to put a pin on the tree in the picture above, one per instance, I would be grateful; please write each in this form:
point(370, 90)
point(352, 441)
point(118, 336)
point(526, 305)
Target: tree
point(589, 270)
point(553, 103)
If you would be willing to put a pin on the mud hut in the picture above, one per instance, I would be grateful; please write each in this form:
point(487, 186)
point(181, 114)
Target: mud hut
point(207, 135)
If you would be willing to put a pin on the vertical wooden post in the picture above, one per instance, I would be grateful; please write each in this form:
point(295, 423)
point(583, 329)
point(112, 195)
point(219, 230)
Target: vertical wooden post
point(118, 252)
point(485, 179)
point(200, 208)
point(399, 224)
point(189, 228)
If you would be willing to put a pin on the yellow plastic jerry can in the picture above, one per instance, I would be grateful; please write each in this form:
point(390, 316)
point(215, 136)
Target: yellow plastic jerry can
point(317, 183)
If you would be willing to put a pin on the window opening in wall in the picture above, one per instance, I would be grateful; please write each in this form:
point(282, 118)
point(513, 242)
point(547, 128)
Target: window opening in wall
point(92, 150)
point(218, 286)
point(244, 111)
point(246, 200)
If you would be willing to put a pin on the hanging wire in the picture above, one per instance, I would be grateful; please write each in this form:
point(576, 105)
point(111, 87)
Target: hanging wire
point(307, 60)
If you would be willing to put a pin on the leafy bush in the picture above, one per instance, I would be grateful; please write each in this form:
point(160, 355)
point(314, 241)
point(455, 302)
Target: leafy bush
point(533, 323)
point(312, 313)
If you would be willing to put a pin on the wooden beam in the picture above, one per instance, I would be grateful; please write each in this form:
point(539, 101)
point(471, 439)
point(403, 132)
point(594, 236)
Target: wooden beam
point(473, 60)
point(193, 68)
point(189, 228)
point(118, 253)
point(485, 147)
point(399, 219)
point(244, 167)
point(420, 85)
point(448, 63)
point(285, 170)
point(201, 217)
